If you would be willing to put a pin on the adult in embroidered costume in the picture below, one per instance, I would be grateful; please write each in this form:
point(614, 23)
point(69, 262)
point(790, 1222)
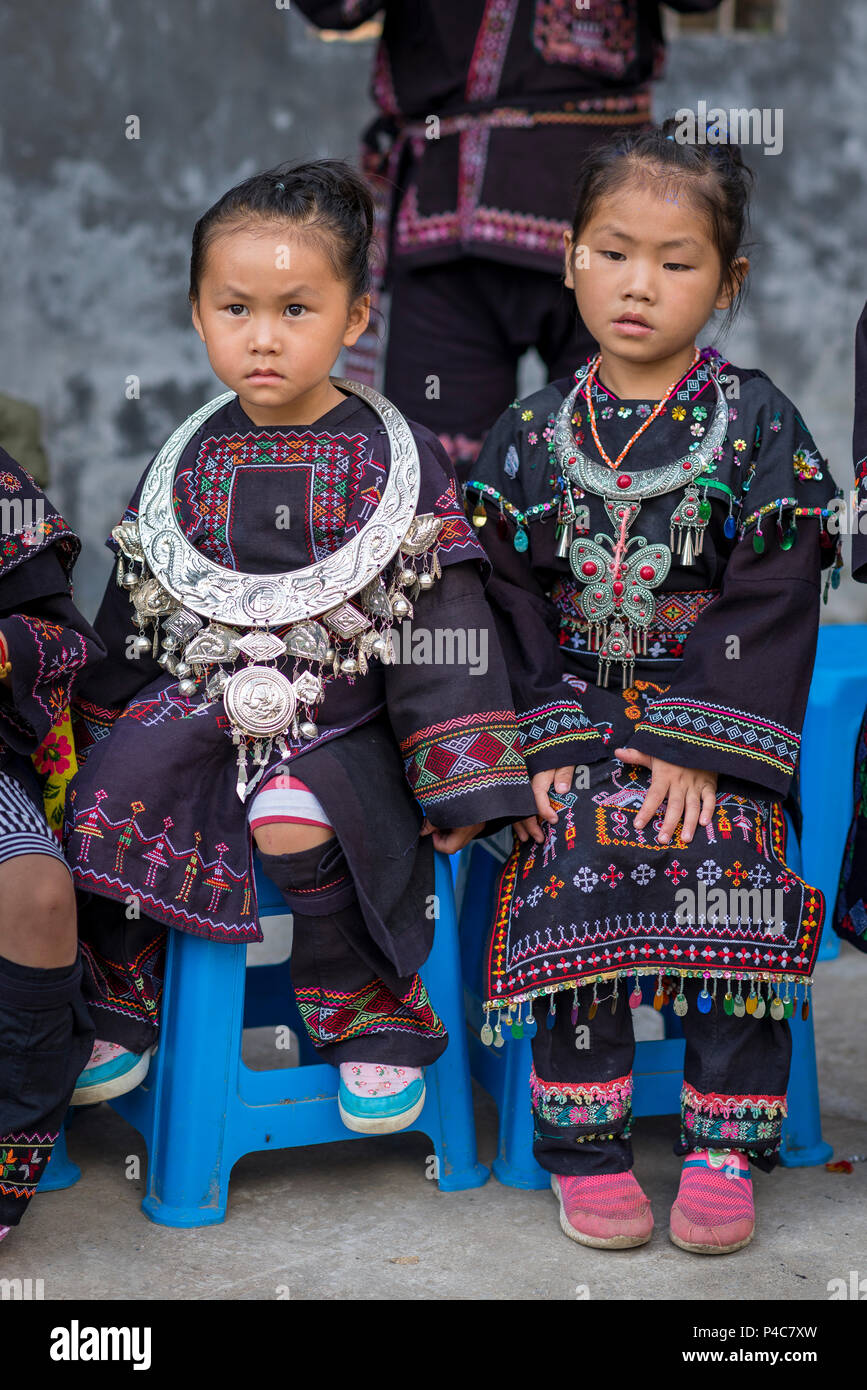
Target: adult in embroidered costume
point(482, 105)
point(850, 915)
point(656, 526)
point(262, 681)
point(45, 1031)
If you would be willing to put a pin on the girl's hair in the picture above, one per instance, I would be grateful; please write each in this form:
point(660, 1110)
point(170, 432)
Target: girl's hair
point(716, 178)
point(327, 201)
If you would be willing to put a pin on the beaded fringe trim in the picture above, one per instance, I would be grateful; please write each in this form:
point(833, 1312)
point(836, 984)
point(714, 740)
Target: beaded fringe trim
point(764, 996)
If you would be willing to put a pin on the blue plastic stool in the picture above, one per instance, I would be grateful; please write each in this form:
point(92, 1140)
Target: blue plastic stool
point(61, 1171)
point(658, 1073)
point(200, 1108)
point(834, 713)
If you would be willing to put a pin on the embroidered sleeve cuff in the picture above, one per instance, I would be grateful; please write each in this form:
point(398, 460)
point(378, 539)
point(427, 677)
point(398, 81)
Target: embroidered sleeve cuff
point(470, 769)
point(557, 734)
point(694, 733)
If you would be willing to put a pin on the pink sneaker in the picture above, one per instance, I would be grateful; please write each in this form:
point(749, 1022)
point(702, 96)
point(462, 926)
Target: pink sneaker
point(606, 1210)
point(713, 1213)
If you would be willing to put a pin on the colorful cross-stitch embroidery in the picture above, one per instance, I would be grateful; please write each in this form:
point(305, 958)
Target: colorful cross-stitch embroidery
point(722, 728)
point(751, 1123)
point(332, 1016)
point(22, 1159)
point(460, 755)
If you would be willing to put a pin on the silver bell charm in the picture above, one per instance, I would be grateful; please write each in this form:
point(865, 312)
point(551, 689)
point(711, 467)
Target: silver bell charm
point(187, 687)
point(309, 729)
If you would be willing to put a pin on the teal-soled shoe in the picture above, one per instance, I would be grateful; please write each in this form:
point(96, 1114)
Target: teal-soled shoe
point(395, 1107)
point(121, 1071)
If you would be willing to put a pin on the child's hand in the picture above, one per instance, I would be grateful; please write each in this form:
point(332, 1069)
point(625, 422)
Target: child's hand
point(691, 793)
point(541, 784)
point(450, 841)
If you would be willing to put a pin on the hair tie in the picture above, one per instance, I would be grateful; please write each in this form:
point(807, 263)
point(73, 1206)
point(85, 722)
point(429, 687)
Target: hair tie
point(281, 186)
point(669, 137)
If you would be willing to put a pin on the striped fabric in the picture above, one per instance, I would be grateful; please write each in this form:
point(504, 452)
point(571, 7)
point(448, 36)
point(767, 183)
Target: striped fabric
point(715, 1188)
point(284, 798)
point(23, 827)
point(612, 1196)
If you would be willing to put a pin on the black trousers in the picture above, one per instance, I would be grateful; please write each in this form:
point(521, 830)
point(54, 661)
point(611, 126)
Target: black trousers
point(46, 1037)
point(735, 1075)
point(456, 334)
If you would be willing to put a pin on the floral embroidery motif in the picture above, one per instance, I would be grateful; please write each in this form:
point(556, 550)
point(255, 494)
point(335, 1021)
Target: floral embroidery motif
point(753, 1124)
point(807, 464)
point(583, 1105)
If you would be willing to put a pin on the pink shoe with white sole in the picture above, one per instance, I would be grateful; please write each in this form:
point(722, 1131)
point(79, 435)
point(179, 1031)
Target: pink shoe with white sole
point(606, 1210)
point(713, 1213)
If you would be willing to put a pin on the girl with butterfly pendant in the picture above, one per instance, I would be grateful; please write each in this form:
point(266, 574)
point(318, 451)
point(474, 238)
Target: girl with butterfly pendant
point(657, 526)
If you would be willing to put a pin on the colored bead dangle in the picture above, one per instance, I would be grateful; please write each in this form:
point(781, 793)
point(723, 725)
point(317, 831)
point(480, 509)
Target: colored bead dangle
point(487, 1032)
point(761, 1007)
point(530, 1021)
point(680, 1004)
point(499, 1040)
point(574, 1012)
point(704, 1001)
point(728, 998)
point(739, 1008)
point(594, 1004)
point(730, 525)
point(778, 1008)
point(615, 998)
point(517, 1024)
point(480, 516)
point(635, 996)
point(788, 1003)
point(521, 541)
point(659, 996)
point(551, 1018)
point(751, 1001)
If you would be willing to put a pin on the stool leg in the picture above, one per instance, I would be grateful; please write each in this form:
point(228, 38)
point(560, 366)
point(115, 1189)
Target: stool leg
point(515, 1165)
point(196, 1083)
point(448, 1112)
point(803, 1144)
point(61, 1171)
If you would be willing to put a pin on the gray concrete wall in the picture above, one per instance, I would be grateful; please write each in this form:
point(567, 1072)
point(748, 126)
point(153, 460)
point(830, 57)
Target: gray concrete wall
point(95, 228)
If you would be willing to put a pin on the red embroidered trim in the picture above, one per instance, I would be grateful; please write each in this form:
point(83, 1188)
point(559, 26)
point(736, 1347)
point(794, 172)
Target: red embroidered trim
point(714, 1104)
point(620, 1087)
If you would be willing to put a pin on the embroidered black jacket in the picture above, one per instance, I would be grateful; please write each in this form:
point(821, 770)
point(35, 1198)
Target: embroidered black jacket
point(154, 808)
point(731, 648)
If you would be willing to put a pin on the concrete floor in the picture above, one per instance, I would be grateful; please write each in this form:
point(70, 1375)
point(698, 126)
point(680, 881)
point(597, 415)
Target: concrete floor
point(360, 1220)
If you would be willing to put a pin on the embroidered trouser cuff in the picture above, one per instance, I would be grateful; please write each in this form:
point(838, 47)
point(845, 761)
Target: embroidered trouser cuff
point(734, 1083)
point(46, 1038)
